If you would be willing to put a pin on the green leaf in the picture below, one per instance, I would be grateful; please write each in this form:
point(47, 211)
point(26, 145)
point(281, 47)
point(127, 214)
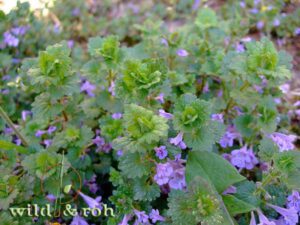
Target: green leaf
point(213, 168)
point(267, 149)
point(206, 18)
point(134, 165)
point(144, 190)
point(236, 206)
point(67, 188)
point(8, 146)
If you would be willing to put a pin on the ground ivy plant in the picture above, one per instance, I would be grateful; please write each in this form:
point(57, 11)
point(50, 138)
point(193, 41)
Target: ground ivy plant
point(181, 127)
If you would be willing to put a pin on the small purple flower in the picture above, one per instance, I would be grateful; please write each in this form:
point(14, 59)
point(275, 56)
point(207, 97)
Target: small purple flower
point(252, 221)
point(39, 133)
point(51, 197)
point(260, 25)
point(263, 219)
point(290, 215)
point(125, 219)
point(70, 43)
point(297, 31)
point(178, 141)
point(244, 158)
point(47, 143)
point(161, 152)
point(276, 22)
point(10, 40)
point(8, 131)
point(25, 113)
point(218, 117)
point(99, 141)
point(293, 201)
point(242, 4)
point(92, 203)
point(120, 152)
point(182, 53)
point(117, 116)
point(171, 173)
point(142, 217)
point(91, 183)
point(285, 88)
point(229, 137)
point(111, 88)
point(164, 114)
point(78, 220)
point(155, 216)
point(18, 141)
point(164, 42)
point(20, 31)
point(230, 190)
point(254, 10)
point(196, 4)
point(283, 141)
point(88, 88)
point(76, 12)
point(163, 173)
point(51, 129)
point(5, 91)
point(160, 98)
point(106, 147)
point(239, 47)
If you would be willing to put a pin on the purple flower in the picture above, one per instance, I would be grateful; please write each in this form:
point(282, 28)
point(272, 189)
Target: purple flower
point(260, 25)
point(25, 113)
point(283, 141)
point(125, 220)
point(263, 219)
point(99, 141)
point(164, 42)
point(88, 88)
point(243, 4)
point(254, 10)
point(178, 141)
point(218, 117)
point(142, 217)
point(47, 143)
point(92, 184)
point(252, 221)
point(111, 88)
point(76, 12)
point(39, 133)
point(171, 173)
point(116, 116)
point(290, 215)
point(154, 216)
point(284, 88)
point(18, 141)
point(10, 40)
point(196, 4)
point(106, 147)
point(70, 43)
point(230, 190)
point(160, 98)
point(239, 47)
point(51, 197)
point(228, 138)
point(293, 201)
point(20, 31)
point(297, 31)
point(163, 173)
point(182, 53)
point(276, 22)
point(243, 158)
point(92, 203)
point(161, 152)
point(51, 129)
point(120, 152)
point(164, 114)
point(78, 220)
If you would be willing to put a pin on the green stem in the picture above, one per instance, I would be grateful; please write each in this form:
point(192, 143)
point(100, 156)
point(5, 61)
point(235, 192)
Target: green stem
point(6, 118)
